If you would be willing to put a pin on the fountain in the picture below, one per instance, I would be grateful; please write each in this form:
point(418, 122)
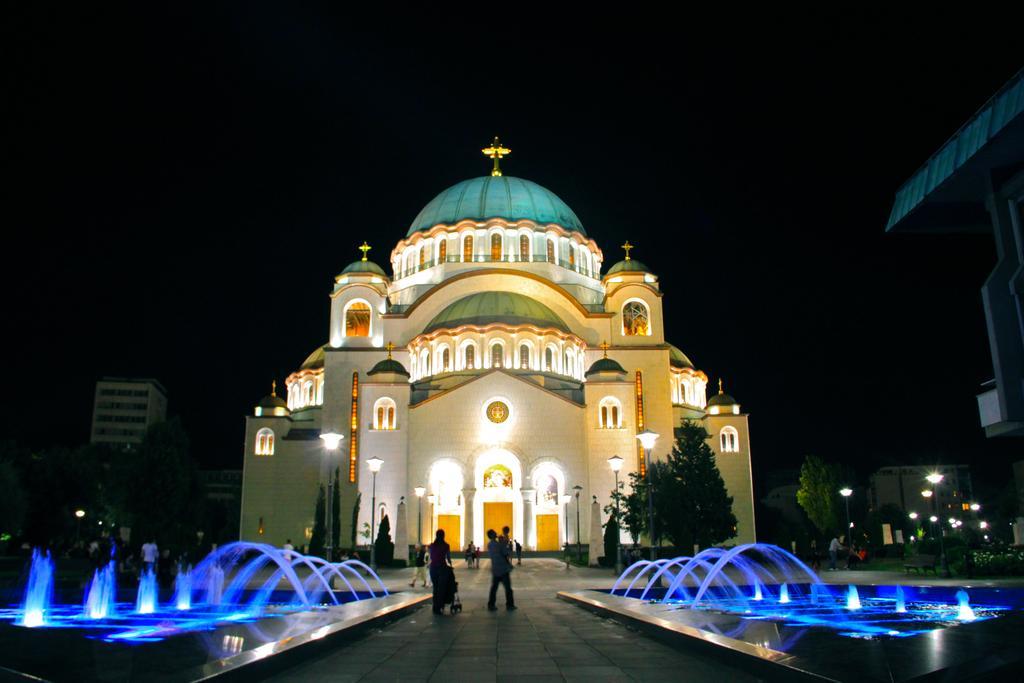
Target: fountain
point(101, 596)
point(183, 588)
point(784, 594)
point(39, 591)
point(901, 600)
point(146, 598)
point(852, 597)
point(964, 611)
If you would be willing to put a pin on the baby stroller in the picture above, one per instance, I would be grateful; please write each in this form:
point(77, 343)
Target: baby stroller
point(452, 594)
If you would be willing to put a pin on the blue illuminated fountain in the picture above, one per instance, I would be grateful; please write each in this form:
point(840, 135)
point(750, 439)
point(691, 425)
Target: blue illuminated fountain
point(237, 582)
point(764, 582)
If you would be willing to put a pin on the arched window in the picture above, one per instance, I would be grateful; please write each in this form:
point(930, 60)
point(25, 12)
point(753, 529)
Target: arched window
point(551, 251)
point(470, 357)
point(384, 412)
point(610, 416)
point(524, 357)
point(730, 439)
point(424, 362)
point(572, 256)
point(497, 356)
point(496, 246)
point(357, 319)
point(423, 257)
point(307, 393)
point(636, 319)
point(524, 247)
point(446, 360)
point(467, 248)
point(265, 442)
point(442, 250)
point(549, 360)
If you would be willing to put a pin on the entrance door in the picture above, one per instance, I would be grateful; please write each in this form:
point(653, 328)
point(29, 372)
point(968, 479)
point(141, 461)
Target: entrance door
point(497, 515)
point(547, 532)
point(452, 525)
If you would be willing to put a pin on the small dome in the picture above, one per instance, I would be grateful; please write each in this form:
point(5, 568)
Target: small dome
point(389, 365)
point(496, 197)
point(314, 360)
point(677, 358)
point(722, 399)
point(485, 308)
point(272, 402)
point(628, 266)
point(367, 267)
point(605, 365)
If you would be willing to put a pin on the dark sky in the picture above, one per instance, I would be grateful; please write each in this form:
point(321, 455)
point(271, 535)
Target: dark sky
point(184, 183)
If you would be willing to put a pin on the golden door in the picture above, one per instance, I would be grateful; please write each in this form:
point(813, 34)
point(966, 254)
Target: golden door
point(547, 532)
point(452, 525)
point(497, 515)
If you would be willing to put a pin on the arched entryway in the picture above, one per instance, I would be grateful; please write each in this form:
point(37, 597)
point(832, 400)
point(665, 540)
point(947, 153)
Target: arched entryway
point(448, 511)
point(498, 502)
point(548, 483)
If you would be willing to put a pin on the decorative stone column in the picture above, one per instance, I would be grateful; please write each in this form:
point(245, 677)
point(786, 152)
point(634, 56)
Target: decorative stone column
point(468, 517)
point(529, 531)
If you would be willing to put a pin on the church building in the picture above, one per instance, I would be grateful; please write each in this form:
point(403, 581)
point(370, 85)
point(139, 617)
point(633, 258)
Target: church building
point(489, 374)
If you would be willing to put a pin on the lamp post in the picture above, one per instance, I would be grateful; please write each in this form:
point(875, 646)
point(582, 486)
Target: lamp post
point(566, 499)
point(419, 490)
point(579, 547)
point(615, 462)
point(78, 524)
point(431, 499)
point(331, 441)
point(846, 492)
point(374, 464)
point(647, 439)
point(935, 479)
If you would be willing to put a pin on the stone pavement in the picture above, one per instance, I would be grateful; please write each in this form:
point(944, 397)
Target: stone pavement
point(544, 640)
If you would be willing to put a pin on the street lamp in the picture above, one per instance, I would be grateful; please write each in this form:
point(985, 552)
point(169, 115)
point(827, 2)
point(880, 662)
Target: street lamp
point(935, 479)
point(374, 464)
point(419, 491)
point(331, 442)
point(647, 439)
point(78, 524)
point(975, 507)
point(566, 499)
point(615, 462)
point(846, 492)
point(579, 547)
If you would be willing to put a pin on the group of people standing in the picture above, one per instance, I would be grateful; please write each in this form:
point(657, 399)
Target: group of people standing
point(442, 575)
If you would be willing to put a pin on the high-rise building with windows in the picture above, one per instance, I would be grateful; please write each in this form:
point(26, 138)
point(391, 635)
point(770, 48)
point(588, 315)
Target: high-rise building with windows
point(124, 408)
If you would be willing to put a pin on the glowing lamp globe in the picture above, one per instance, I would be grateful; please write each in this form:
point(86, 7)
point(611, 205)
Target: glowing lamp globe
point(615, 462)
point(374, 464)
point(933, 519)
point(975, 507)
point(934, 478)
point(647, 439)
point(331, 440)
point(913, 515)
point(926, 493)
point(419, 491)
point(846, 493)
point(79, 513)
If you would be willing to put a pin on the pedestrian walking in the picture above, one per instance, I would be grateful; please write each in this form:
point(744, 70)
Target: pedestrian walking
point(501, 571)
point(833, 552)
point(421, 566)
point(440, 561)
point(150, 555)
point(519, 552)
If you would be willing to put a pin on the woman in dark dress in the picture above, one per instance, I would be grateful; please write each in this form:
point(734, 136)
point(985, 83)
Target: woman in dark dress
point(440, 560)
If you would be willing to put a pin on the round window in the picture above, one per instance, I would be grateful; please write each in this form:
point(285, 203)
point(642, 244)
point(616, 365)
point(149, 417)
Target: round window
point(497, 412)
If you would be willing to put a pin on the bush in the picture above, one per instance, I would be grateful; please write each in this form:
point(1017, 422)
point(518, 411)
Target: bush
point(994, 562)
point(611, 534)
point(385, 549)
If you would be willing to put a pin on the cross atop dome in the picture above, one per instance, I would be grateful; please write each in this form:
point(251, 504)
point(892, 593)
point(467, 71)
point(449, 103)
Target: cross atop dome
point(496, 152)
point(365, 248)
point(390, 347)
point(626, 247)
point(604, 347)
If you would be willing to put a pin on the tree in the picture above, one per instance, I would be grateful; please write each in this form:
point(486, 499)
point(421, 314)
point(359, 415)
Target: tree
point(385, 549)
point(632, 507)
point(692, 505)
point(319, 535)
point(611, 535)
point(355, 518)
point(819, 486)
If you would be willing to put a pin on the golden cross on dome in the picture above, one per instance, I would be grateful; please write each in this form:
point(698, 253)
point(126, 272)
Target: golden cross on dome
point(365, 248)
point(496, 152)
point(390, 347)
point(626, 247)
point(720, 386)
point(604, 347)
point(273, 387)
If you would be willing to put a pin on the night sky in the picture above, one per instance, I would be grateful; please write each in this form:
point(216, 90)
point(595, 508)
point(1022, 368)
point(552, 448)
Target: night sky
point(183, 184)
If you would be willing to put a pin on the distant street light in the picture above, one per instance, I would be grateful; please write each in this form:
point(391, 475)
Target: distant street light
point(935, 479)
point(846, 492)
point(913, 515)
point(374, 464)
point(331, 442)
point(579, 547)
point(647, 439)
point(615, 462)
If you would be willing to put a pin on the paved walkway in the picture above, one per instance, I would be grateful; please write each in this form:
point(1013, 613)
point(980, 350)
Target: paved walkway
point(544, 640)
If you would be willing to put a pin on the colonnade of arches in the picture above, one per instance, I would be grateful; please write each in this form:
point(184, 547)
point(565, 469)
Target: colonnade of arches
point(305, 389)
point(496, 244)
point(537, 351)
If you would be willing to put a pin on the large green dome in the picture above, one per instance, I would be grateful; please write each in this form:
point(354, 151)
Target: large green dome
point(496, 307)
point(496, 197)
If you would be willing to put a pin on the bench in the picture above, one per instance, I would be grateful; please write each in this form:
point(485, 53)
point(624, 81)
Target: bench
point(919, 563)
